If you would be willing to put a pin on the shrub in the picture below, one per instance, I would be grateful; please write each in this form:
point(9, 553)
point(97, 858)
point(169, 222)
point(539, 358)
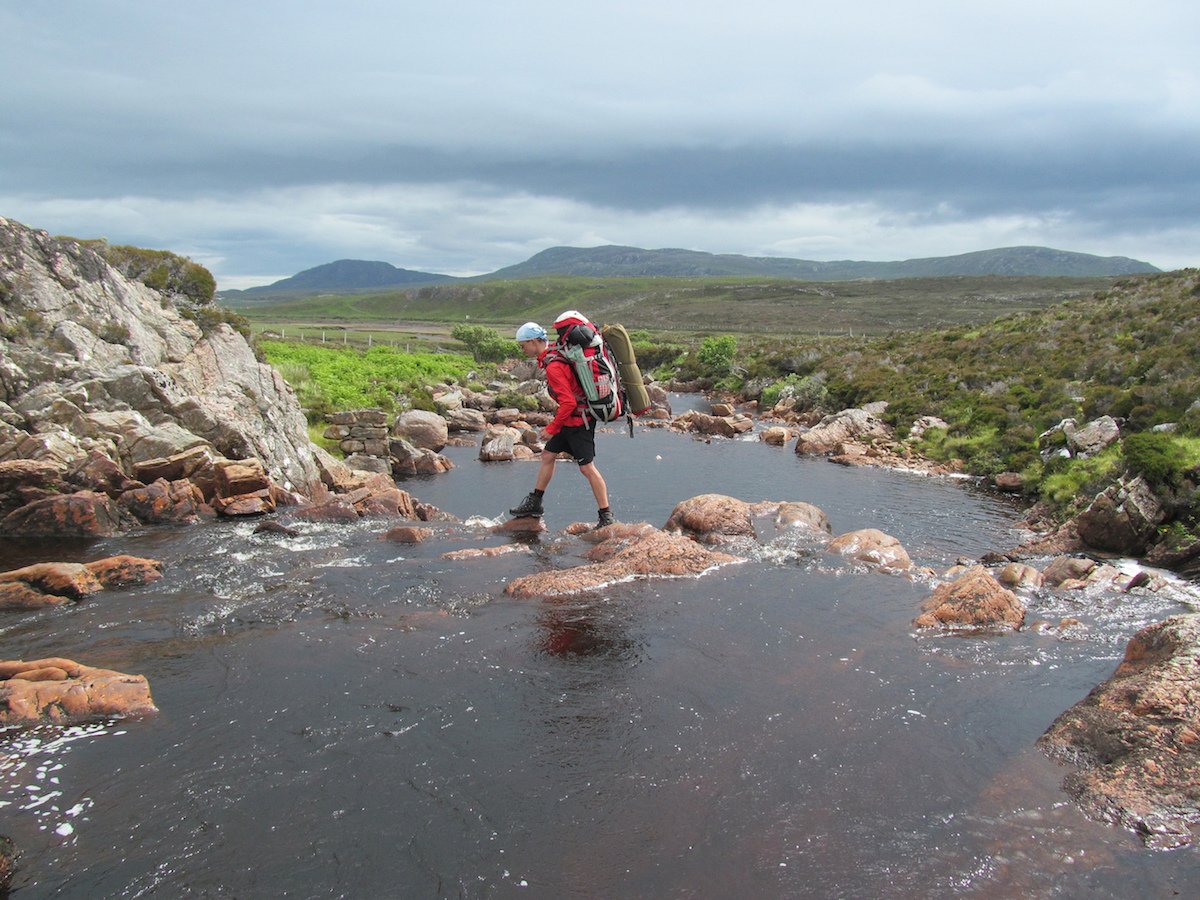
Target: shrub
point(513, 400)
point(1158, 458)
point(1066, 482)
point(485, 344)
point(159, 269)
point(716, 354)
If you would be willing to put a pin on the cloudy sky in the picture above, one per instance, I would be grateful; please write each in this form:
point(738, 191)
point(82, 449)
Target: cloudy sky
point(460, 136)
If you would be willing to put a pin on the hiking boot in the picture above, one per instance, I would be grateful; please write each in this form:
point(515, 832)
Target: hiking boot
point(606, 518)
point(530, 506)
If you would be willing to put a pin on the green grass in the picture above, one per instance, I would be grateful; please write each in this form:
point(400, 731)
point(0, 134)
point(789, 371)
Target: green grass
point(328, 378)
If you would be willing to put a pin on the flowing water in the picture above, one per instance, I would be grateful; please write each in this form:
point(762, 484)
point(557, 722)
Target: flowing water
point(343, 716)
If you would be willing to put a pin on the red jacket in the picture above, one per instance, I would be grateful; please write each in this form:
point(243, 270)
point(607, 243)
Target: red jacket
point(565, 389)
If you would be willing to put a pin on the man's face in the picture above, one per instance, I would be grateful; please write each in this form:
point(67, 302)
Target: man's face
point(531, 347)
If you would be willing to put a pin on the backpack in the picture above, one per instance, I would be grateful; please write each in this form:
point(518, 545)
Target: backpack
point(582, 347)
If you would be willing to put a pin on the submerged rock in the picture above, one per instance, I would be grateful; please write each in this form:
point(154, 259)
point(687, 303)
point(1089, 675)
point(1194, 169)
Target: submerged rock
point(1136, 737)
point(53, 583)
point(125, 571)
point(873, 547)
point(73, 581)
point(651, 554)
point(61, 690)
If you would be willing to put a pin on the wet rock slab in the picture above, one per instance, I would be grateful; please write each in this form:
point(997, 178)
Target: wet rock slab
point(647, 553)
point(54, 583)
point(61, 690)
point(1135, 739)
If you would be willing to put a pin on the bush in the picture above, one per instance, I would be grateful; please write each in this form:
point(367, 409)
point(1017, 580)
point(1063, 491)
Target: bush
point(513, 400)
point(1066, 482)
point(716, 355)
point(485, 344)
point(1158, 458)
point(159, 269)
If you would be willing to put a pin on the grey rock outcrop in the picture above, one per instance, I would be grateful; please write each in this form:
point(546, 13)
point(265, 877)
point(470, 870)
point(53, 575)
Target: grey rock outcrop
point(93, 362)
point(1122, 519)
point(849, 425)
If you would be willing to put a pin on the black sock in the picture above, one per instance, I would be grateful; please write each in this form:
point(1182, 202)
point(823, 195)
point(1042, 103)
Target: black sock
point(538, 494)
point(602, 509)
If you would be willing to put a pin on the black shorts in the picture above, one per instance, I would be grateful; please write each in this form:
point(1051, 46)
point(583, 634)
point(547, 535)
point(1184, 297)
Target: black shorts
point(578, 440)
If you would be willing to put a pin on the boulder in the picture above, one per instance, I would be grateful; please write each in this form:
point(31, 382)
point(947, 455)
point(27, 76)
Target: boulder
point(164, 503)
point(712, 517)
point(125, 571)
point(1181, 555)
point(499, 446)
point(1135, 739)
point(255, 504)
point(17, 595)
point(82, 514)
point(18, 473)
point(521, 525)
point(407, 459)
point(655, 554)
point(421, 428)
point(364, 462)
point(660, 400)
point(974, 600)
point(465, 419)
point(407, 534)
point(1009, 482)
point(237, 477)
point(61, 690)
point(1122, 519)
point(72, 580)
point(177, 466)
point(1019, 575)
point(776, 436)
point(98, 472)
point(924, 424)
point(847, 426)
point(873, 547)
point(1092, 437)
point(719, 426)
point(797, 514)
point(1066, 568)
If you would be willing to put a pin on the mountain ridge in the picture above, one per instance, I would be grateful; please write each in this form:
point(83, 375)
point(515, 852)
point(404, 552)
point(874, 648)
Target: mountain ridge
point(617, 261)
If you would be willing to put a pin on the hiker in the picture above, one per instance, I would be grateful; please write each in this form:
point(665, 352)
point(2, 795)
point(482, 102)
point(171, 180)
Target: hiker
point(571, 431)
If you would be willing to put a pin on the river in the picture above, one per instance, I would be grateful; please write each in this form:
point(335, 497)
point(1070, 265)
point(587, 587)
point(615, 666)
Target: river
point(346, 717)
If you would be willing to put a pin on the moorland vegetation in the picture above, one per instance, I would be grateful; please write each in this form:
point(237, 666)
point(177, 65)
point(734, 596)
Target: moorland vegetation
point(1128, 350)
point(709, 304)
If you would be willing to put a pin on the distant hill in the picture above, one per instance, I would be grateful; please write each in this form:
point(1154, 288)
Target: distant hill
point(342, 276)
point(355, 276)
point(615, 261)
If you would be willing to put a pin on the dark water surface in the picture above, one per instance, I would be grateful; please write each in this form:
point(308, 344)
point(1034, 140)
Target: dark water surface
point(342, 716)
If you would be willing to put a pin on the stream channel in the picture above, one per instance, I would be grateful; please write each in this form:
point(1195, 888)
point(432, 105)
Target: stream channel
point(342, 716)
